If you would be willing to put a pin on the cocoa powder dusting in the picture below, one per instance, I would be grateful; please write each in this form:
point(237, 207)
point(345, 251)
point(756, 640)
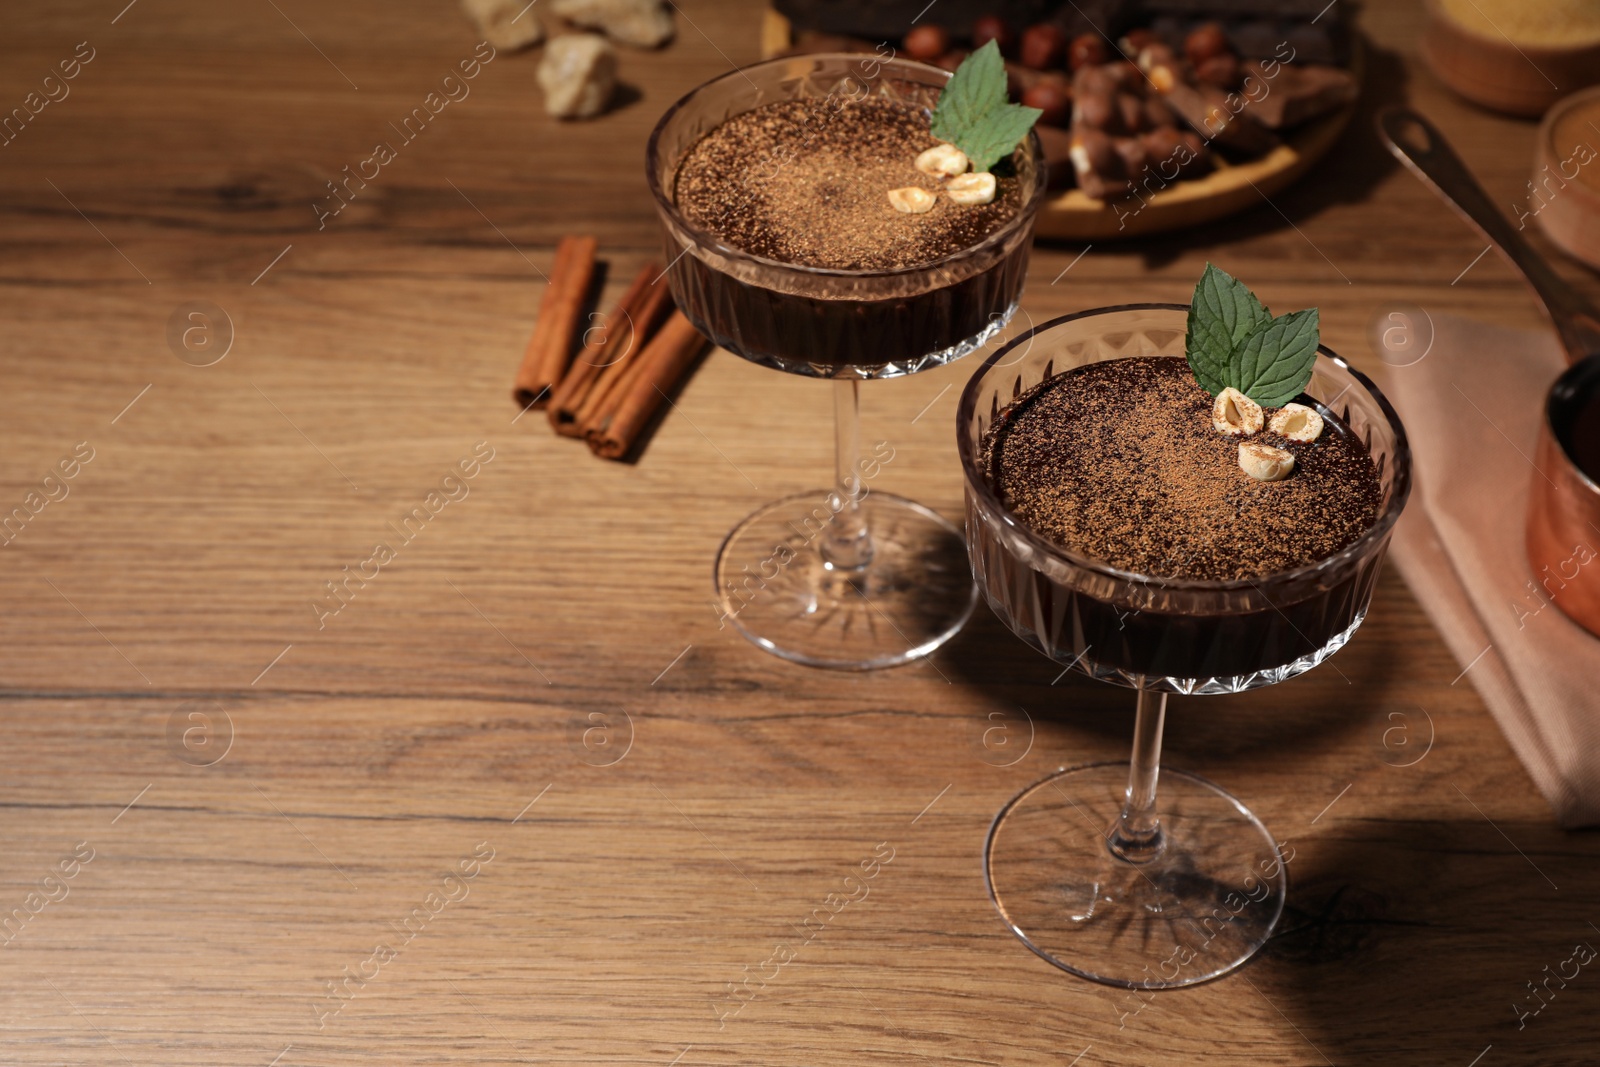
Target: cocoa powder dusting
point(1118, 461)
point(807, 182)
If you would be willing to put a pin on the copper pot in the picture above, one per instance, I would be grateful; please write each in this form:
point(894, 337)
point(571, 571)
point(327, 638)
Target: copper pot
point(1563, 533)
point(1564, 507)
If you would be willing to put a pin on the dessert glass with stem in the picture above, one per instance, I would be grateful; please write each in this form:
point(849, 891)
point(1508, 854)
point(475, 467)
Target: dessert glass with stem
point(1087, 867)
point(849, 577)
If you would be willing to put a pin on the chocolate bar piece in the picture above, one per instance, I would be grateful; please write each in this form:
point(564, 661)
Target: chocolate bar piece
point(1281, 95)
point(1220, 119)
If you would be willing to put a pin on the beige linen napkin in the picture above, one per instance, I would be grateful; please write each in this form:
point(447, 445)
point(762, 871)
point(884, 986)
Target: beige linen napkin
point(1472, 407)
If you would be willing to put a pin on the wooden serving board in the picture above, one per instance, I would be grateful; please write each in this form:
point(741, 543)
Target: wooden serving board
point(1232, 187)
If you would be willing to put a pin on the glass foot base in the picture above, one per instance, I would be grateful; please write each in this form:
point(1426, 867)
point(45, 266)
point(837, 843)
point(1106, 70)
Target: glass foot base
point(1207, 901)
point(914, 595)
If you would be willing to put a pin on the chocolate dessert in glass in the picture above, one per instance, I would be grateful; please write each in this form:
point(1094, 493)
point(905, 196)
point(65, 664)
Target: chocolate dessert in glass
point(815, 225)
point(1132, 525)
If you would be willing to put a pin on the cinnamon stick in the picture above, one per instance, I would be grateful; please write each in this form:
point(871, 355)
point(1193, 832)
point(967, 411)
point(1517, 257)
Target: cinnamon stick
point(609, 393)
point(660, 366)
point(606, 391)
point(616, 335)
point(545, 361)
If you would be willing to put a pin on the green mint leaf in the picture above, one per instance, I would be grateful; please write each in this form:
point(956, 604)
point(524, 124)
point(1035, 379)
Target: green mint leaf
point(994, 140)
point(973, 113)
point(976, 88)
point(1274, 365)
point(1222, 314)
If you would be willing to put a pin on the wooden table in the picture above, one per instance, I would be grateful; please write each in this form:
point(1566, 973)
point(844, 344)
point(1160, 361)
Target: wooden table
point(450, 710)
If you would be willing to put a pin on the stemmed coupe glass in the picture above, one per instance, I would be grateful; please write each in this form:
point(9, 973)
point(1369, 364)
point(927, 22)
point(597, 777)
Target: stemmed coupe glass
point(1086, 867)
point(850, 577)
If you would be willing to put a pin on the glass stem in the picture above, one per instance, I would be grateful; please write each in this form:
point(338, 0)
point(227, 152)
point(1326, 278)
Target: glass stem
point(1136, 835)
point(847, 545)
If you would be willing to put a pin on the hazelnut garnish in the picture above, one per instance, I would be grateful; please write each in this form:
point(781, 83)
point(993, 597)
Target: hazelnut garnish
point(911, 200)
point(943, 161)
point(1265, 463)
point(1236, 414)
point(971, 189)
point(1296, 422)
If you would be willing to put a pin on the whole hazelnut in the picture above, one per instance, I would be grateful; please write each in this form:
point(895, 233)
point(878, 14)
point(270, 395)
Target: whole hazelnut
point(927, 43)
point(952, 59)
point(1086, 50)
point(1205, 41)
point(1053, 97)
point(1043, 46)
point(991, 28)
point(1136, 40)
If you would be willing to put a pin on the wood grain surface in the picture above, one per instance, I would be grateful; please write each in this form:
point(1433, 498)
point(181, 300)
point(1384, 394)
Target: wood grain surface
point(536, 689)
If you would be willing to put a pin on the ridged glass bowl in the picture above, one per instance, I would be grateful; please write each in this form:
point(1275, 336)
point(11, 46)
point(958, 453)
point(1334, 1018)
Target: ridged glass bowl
point(846, 577)
point(1085, 867)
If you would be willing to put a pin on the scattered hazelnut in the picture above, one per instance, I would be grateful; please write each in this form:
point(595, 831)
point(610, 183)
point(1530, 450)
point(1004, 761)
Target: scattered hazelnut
point(1043, 46)
point(1054, 98)
point(506, 24)
point(1265, 463)
point(1205, 41)
point(578, 74)
point(1296, 422)
point(1086, 50)
point(911, 200)
point(971, 189)
point(1236, 414)
point(943, 161)
point(991, 28)
point(640, 23)
point(927, 43)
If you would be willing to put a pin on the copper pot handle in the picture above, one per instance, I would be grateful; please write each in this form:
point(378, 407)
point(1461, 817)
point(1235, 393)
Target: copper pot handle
point(1422, 148)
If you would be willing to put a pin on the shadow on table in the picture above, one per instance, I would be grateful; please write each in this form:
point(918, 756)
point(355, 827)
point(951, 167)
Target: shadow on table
point(1416, 941)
